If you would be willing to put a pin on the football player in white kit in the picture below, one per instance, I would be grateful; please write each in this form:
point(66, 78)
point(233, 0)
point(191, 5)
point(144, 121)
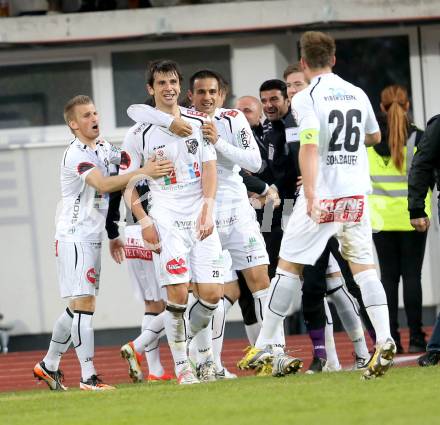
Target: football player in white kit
point(181, 226)
point(142, 274)
point(85, 184)
point(229, 132)
point(336, 122)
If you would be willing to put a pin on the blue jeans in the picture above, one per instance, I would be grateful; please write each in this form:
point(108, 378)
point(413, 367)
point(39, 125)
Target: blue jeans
point(434, 341)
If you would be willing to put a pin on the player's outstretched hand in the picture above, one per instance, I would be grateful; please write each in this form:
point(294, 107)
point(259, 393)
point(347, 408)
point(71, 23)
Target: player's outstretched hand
point(420, 224)
point(155, 169)
point(180, 127)
point(117, 250)
point(210, 132)
point(151, 238)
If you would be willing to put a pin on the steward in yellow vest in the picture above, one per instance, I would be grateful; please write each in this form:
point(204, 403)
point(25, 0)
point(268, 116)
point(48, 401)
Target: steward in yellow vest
point(388, 201)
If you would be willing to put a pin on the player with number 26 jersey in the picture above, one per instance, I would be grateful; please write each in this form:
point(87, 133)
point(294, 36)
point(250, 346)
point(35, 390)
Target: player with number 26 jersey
point(341, 114)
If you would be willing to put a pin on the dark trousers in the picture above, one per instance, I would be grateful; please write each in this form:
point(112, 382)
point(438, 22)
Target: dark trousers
point(401, 254)
point(434, 341)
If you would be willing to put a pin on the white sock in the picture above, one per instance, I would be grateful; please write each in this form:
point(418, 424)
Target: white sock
point(152, 353)
point(152, 329)
point(252, 332)
point(199, 316)
point(176, 334)
point(218, 330)
point(260, 299)
point(349, 315)
point(375, 301)
point(60, 341)
point(83, 339)
point(279, 300)
point(330, 347)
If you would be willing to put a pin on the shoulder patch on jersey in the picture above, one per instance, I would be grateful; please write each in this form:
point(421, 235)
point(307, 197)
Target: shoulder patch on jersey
point(125, 160)
point(84, 166)
point(139, 127)
point(229, 113)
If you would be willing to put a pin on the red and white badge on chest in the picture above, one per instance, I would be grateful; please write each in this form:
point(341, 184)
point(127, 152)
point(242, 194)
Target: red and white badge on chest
point(342, 210)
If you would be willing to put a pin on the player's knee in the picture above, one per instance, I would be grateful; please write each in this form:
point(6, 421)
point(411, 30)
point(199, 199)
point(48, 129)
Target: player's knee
point(257, 278)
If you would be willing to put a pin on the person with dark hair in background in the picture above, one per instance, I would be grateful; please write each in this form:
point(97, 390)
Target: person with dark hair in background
point(400, 249)
point(426, 163)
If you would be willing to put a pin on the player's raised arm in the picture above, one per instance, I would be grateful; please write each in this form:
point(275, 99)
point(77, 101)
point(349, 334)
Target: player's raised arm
point(152, 169)
point(150, 115)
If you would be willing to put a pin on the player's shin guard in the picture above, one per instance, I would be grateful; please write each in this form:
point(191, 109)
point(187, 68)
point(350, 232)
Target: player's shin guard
point(278, 303)
point(153, 324)
point(176, 334)
point(348, 312)
point(330, 347)
point(60, 341)
point(218, 328)
point(83, 339)
point(375, 301)
point(260, 299)
point(199, 315)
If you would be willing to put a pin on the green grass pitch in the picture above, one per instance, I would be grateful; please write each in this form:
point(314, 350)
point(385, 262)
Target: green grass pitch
point(404, 396)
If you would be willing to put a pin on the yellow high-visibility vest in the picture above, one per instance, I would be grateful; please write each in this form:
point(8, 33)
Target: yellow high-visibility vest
point(388, 202)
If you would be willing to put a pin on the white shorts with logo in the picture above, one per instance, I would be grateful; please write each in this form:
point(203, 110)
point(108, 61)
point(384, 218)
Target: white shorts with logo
point(230, 274)
point(240, 234)
point(184, 258)
point(78, 268)
point(304, 240)
point(141, 266)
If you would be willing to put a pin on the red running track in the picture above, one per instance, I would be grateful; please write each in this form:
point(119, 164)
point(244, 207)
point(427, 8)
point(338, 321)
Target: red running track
point(16, 368)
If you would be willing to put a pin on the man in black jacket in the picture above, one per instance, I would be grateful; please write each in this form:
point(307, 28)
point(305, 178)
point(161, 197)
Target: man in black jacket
point(425, 162)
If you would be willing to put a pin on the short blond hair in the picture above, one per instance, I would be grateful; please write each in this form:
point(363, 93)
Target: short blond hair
point(69, 107)
point(317, 49)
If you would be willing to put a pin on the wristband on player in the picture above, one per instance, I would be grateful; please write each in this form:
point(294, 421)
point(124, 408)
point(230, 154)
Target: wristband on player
point(145, 222)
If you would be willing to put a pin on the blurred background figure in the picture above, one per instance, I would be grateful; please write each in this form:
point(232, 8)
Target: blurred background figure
point(399, 247)
point(5, 328)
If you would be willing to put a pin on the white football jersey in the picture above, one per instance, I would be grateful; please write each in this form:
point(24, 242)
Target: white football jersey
point(342, 114)
point(179, 193)
point(236, 148)
point(82, 211)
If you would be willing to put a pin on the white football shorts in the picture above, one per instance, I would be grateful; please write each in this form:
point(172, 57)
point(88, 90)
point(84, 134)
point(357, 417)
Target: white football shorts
point(304, 240)
point(78, 268)
point(141, 266)
point(184, 258)
point(240, 234)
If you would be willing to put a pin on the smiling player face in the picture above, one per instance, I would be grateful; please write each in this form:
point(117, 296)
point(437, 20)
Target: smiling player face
point(205, 95)
point(85, 122)
point(165, 89)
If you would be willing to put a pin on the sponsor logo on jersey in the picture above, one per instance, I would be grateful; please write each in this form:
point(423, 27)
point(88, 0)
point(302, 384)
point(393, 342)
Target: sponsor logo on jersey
point(184, 224)
point(194, 170)
point(125, 160)
point(342, 210)
point(191, 145)
point(244, 138)
point(229, 113)
point(76, 208)
point(170, 179)
point(176, 266)
point(338, 94)
point(139, 128)
point(195, 113)
point(84, 166)
point(114, 149)
point(92, 276)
